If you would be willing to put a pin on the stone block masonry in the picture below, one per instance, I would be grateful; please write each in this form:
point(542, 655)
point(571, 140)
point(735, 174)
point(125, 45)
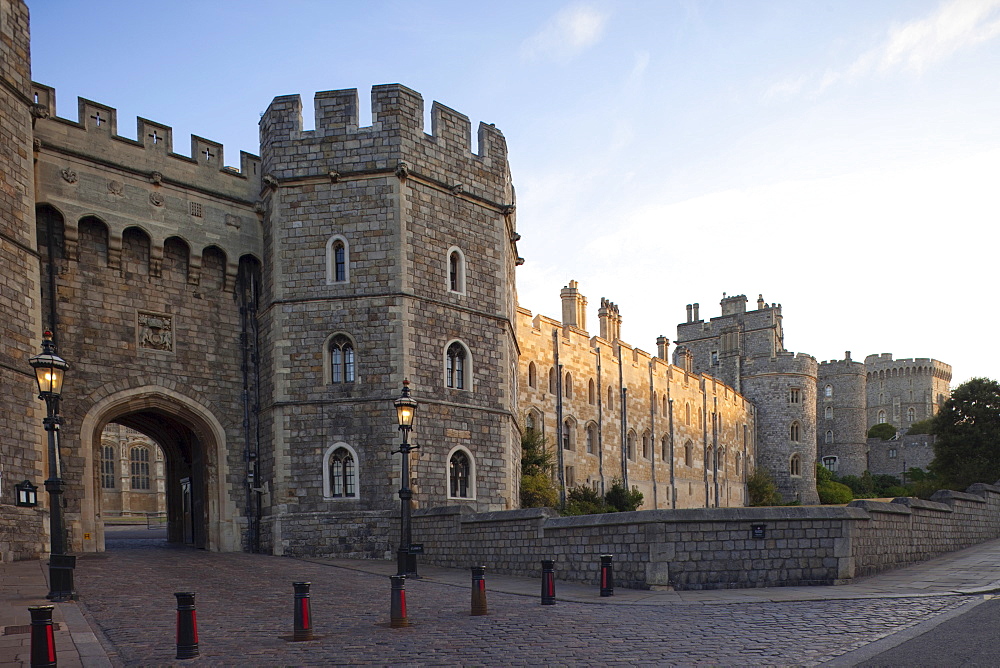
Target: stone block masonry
point(720, 548)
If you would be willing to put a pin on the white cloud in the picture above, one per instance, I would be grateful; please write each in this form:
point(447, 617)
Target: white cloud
point(571, 31)
point(912, 47)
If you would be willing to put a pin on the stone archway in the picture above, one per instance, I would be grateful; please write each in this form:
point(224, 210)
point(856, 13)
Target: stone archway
point(199, 511)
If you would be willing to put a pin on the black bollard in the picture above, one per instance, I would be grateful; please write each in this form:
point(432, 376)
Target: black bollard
point(548, 582)
point(607, 575)
point(43, 642)
point(187, 626)
point(397, 611)
point(478, 590)
point(303, 612)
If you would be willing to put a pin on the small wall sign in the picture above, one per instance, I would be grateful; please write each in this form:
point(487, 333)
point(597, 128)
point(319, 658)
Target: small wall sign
point(758, 531)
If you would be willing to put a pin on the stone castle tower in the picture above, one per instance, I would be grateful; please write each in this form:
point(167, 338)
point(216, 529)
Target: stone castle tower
point(746, 350)
point(840, 415)
point(22, 531)
point(389, 255)
point(901, 392)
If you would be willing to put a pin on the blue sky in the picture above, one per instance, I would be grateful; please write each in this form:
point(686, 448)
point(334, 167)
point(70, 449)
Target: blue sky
point(841, 158)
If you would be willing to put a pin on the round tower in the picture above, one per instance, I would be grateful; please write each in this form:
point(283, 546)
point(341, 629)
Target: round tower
point(841, 416)
point(783, 388)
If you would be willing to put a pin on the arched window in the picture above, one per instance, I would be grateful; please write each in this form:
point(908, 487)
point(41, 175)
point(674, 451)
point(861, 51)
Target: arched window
point(568, 386)
point(552, 380)
point(828, 413)
point(532, 375)
point(665, 449)
point(687, 413)
point(341, 472)
point(739, 463)
point(591, 392)
point(342, 365)
point(630, 446)
point(911, 414)
point(829, 436)
point(456, 270)
point(611, 399)
point(688, 454)
point(647, 449)
point(828, 391)
point(139, 461)
point(108, 465)
point(533, 422)
point(881, 417)
point(830, 464)
point(795, 465)
point(709, 461)
point(794, 432)
point(665, 408)
point(591, 439)
point(458, 367)
point(567, 434)
point(338, 267)
point(461, 482)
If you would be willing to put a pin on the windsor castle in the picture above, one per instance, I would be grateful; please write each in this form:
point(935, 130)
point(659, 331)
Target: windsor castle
point(255, 317)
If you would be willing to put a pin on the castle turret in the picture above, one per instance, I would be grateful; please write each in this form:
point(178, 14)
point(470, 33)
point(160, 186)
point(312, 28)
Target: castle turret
point(783, 388)
point(841, 416)
point(662, 346)
point(574, 307)
point(392, 252)
point(611, 321)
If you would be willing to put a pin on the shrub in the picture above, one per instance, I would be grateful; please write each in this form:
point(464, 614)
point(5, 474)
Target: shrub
point(538, 491)
point(823, 474)
point(621, 499)
point(831, 492)
point(897, 491)
point(921, 427)
point(762, 489)
point(882, 430)
point(583, 500)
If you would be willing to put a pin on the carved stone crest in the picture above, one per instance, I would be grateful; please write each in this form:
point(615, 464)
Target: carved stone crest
point(156, 178)
point(233, 221)
point(156, 199)
point(156, 332)
point(457, 189)
point(402, 169)
point(116, 187)
point(37, 144)
point(69, 176)
point(259, 208)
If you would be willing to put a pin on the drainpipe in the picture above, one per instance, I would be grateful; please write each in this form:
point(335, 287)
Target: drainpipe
point(559, 419)
point(652, 435)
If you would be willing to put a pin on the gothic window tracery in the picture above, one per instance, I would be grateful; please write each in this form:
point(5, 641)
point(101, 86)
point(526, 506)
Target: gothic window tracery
point(342, 360)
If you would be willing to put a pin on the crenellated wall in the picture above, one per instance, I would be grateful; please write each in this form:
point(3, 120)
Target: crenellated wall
point(723, 548)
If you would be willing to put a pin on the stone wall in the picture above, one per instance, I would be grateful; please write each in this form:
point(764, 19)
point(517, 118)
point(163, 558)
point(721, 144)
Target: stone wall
point(22, 440)
point(719, 548)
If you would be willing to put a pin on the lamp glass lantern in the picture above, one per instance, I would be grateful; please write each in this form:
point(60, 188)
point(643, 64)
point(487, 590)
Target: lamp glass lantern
point(406, 407)
point(50, 369)
point(27, 494)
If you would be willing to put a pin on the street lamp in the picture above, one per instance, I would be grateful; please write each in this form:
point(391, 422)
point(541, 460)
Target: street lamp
point(50, 369)
point(406, 408)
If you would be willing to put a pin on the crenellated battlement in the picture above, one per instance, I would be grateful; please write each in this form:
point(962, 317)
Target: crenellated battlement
point(784, 362)
point(94, 136)
point(395, 143)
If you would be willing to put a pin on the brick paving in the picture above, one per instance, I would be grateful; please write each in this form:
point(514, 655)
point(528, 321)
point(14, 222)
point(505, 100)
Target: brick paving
point(245, 607)
point(126, 614)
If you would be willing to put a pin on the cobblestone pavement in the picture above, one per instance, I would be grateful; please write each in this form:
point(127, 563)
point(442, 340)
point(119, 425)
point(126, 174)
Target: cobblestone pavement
point(244, 605)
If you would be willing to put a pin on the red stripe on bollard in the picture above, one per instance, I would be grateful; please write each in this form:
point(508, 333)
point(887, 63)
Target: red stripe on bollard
point(397, 608)
point(548, 582)
point(479, 591)
point(187, 626)
point(607, 575)
point(43, 641)
point(302, 612)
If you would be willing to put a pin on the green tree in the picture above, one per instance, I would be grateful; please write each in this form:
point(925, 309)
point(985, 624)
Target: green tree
point(921, 427)
point(967, 447)
point(622, 499)
point(584, 500)
point(538, 490)
point(882, 430)
point(761, 489)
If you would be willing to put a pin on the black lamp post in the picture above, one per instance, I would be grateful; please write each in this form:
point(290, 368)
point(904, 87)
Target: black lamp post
point(50, 369)
point(406, 408)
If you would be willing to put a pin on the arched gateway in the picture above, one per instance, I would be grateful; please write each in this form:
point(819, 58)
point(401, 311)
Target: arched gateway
point(199, 511)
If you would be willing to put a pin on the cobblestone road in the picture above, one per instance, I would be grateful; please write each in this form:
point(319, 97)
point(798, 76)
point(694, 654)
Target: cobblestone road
point(244, 608)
